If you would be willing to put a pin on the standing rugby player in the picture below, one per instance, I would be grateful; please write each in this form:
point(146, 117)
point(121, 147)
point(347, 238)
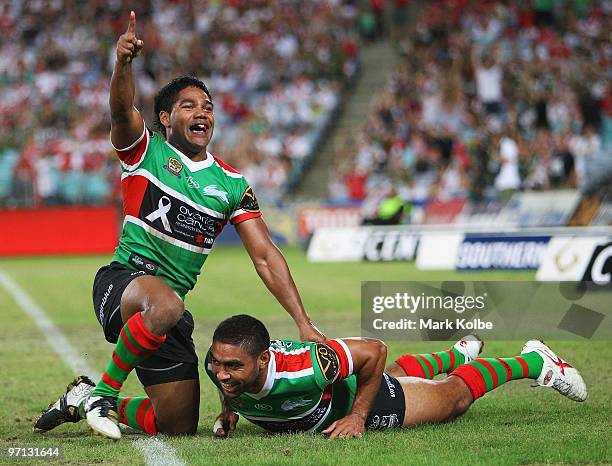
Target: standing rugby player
point(177, 197)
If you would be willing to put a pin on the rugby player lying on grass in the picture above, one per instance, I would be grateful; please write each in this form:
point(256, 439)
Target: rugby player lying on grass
point(339, 387)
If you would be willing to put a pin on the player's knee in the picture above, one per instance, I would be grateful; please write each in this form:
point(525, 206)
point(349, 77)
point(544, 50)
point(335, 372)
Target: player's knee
point(463, 400)
point(462, 404)
point(457, 397)
point(177, 430)
point(395, 370)
point(178, 427)
point(165, 312)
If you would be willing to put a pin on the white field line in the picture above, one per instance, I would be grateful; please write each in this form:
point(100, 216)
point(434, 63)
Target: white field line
point(155, 451)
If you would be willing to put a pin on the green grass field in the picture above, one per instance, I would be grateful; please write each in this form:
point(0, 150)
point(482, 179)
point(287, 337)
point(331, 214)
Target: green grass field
point(512, 425)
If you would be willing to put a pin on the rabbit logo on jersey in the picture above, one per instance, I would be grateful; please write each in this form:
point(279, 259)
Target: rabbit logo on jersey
point(289, 405)
point(213, 190)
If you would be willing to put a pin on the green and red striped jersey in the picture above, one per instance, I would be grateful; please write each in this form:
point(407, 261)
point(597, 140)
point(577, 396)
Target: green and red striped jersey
point(174, 208)
point(308, 386)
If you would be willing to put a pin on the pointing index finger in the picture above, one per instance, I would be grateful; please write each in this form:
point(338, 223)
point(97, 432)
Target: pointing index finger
point(132, 24)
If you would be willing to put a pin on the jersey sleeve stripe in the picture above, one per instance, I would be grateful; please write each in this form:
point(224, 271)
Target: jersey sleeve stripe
point(295, 351)
point(231, 174)
point(344, 354)
point(131, 156)
point(133, 189)
point(228, 170)
point(294, 374)
point(134, 144)
point(286, 363)
point(240, 216)
point(348, 354)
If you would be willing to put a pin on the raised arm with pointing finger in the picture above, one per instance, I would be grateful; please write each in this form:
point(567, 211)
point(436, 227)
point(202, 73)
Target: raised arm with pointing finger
point(126, 122)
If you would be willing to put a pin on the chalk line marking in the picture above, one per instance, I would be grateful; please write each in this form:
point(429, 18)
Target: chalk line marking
point(155, 450)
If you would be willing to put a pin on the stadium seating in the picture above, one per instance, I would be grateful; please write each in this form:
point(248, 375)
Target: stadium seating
point(275, 78)
point(490, 98)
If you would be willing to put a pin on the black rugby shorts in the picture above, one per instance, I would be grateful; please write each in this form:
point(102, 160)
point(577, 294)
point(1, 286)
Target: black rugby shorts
point(176, 358)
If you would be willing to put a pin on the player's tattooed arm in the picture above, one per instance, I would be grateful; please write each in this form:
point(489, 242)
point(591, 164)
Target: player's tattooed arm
point(226, 421)
point(369, 356)
point(126, 123)
point(273, 270)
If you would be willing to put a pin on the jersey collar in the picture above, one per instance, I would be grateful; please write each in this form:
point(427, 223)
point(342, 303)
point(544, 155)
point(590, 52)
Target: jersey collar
point(269, 383)
point(193, 166)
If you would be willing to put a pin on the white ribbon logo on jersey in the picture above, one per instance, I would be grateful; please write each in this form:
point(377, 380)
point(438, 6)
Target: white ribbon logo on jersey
point(161, 212)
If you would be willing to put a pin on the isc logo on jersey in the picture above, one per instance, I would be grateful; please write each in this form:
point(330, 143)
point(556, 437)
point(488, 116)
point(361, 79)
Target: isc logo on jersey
point(263, 407)
point(193, 184)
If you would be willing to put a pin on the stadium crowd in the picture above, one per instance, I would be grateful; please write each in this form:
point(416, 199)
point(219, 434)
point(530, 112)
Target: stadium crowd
point(489, 98)
point(275, 78)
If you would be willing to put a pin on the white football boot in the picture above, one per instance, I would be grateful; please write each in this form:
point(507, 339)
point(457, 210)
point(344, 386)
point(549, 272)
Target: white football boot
point(557, 373)
point(102, 417)
point(66, 408)
point(470, 346)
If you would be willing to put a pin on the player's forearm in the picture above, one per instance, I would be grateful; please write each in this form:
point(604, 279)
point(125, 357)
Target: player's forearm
point(122, 92)
point(274, 272)
point(225, 407)
point(369, 370)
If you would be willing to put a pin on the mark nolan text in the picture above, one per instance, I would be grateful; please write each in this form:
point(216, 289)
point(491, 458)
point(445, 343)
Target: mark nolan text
point(433, 324)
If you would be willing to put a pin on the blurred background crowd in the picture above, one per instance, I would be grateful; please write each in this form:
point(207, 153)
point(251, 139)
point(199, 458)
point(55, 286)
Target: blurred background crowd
point(276, 80)
point(490, 97)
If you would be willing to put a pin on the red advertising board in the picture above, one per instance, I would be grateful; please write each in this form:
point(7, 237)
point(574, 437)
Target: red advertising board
point(443, 212)
point(311, 218)
point(62, 230)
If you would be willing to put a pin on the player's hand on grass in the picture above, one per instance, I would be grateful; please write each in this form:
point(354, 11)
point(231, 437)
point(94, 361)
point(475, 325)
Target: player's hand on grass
point(225, 423)
point(309, 332)
point(352, 425)
point(128, 45)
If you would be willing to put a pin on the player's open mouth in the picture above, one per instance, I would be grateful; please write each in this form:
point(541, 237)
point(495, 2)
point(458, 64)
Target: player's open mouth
point(199, 128)
point(230, 388)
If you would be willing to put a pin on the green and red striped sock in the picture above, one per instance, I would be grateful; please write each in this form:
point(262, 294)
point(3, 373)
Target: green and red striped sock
point(135, 344)
point(137, 413)
point(485, 374)
point(427, 366)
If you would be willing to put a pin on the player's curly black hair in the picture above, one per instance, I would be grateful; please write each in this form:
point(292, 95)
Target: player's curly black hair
point(167, 95)
point(245, 331)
